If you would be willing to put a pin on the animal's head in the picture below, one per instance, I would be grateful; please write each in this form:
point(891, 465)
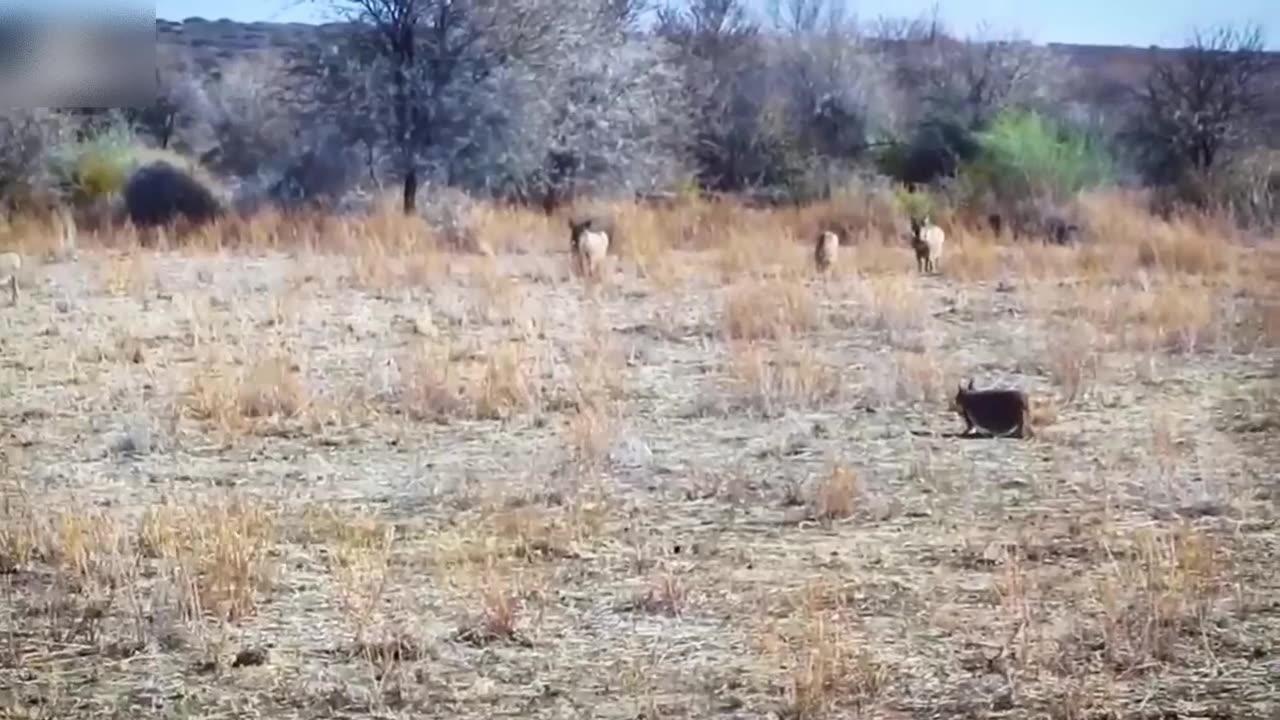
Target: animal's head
point(916, 225)
point(962, 390)
point(576, 228)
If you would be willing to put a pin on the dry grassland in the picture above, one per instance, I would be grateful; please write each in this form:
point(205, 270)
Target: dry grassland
point(322, 467)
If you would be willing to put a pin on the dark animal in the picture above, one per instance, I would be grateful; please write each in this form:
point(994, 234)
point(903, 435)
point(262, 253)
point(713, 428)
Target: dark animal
point(1060, 231)
point(996, 221)
point(1002, 413)
point(159, 193)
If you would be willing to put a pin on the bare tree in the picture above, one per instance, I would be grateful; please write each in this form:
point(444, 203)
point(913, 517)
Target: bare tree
point(432, 46)
point(972, 80)
point(923, 29)
point(833, 84)
point(1203, 101)
point(719, 47)
point(245, 106)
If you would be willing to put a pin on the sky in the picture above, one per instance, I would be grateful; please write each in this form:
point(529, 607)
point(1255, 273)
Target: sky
point(1105, 22)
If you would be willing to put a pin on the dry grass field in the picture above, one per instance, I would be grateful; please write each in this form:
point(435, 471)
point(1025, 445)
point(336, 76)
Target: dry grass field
point(325, 467)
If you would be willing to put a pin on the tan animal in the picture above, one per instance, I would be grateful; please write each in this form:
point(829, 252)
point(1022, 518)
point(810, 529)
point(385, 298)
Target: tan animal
point(10, 266)
point(927, 240)
point(1002, 413)
point(825, 249)
point(589, 246)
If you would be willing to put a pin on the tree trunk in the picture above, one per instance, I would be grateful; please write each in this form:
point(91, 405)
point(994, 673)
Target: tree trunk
point(411, 191)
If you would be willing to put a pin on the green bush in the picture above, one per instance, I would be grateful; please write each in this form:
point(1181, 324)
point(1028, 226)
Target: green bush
point(95, 168)
point(1024, 156)
point(915, 205)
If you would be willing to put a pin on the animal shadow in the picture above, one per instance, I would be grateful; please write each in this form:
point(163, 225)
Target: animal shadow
point(957, 435)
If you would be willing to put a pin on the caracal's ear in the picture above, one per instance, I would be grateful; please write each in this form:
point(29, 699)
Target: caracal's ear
point(970, 383)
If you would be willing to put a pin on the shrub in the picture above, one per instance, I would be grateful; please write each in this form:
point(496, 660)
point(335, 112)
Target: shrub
point(26, 137)
point(159, 193)
point(316, 177)
point(914, 204)
point(1025, 157)
point(936, 150)
point(93, 169)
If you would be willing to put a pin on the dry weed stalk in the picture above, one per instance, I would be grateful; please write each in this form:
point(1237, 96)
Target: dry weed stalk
point(772, 380)
point(1158, 594)
point(825, 673)
point(837, 495)
point(268, 392)
point(769, 309)
point(506, 388)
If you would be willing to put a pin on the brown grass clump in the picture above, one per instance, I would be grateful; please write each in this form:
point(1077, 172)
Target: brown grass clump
point(1161, 590)
point(216, 554)
point(836, 495)
point(896, 306)
point(272, 387)
point(666, 594)
point(506, 387)
point(825, 673)
point(911, 376)
point(268, 392)
point(223, 555)
point(429, 388)
point(770, 381)
point(770, 309)
point(1073, 360)
point(589, 434)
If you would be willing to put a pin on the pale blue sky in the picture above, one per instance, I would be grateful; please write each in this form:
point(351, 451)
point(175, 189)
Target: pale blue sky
point(1109, 22)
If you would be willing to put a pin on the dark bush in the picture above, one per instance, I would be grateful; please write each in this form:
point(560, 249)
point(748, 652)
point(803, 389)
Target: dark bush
point(159, 193)
point(317, 178)
point(935, 151)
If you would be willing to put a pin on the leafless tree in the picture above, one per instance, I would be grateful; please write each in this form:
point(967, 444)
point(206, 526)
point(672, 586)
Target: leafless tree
point(719, 47)
point(973, 79)
point(431, 46)
point(245, 107)
point(1203, 101)
point(836, 90)
point(924, 29)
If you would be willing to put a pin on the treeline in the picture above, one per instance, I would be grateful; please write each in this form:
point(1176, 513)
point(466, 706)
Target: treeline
point(541, 101)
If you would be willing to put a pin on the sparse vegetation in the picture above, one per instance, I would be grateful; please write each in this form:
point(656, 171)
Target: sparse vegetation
point(327, 459)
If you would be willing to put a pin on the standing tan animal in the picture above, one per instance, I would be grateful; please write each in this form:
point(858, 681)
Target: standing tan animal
point(1002, 413)
point(10, 266)
point(825, 250)
point(589, 247)
point(927, 240)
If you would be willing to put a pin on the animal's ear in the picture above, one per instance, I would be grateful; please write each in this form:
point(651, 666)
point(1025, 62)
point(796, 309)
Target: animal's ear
point(970, 383)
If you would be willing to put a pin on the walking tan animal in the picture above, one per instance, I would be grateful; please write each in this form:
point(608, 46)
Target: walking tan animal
point(589, 247)
point(10, 266)
point(1002, 413)
point(825, 250)
point(927, 240)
